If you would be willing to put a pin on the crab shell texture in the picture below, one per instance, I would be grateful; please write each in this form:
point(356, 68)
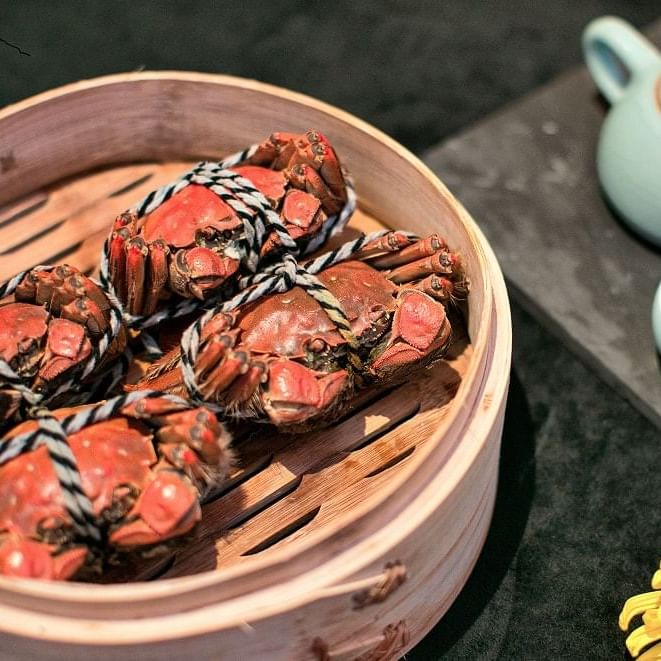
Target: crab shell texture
point(49, 329)
point(143, 471)
point(189, 246)
point(282, 360)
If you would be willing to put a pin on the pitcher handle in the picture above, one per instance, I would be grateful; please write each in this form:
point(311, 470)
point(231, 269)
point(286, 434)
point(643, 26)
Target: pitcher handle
point(656, 318)
point(616, 52)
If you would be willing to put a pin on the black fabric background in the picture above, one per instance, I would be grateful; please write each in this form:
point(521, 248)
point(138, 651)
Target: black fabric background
point(576, 525)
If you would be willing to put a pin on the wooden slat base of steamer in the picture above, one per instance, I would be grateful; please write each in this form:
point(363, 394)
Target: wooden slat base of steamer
point(285, 486)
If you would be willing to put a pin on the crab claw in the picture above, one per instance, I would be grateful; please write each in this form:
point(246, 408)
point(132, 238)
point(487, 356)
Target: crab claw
point(301, 209)
point(322, 156)
point(296, 393)
point(166, 508)
point(420, 327)
point(22, 329)
point(199, 271)
point(67, 346)
point(24, 558)
point(306, 178)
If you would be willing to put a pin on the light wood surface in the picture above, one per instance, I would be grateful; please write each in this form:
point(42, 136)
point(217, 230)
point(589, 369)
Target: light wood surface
point(403, 487)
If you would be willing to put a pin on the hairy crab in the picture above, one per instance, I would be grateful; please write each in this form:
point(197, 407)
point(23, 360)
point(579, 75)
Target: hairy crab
point(50, 330)
point(143, 470)
point(194, 242)
point(282, 359)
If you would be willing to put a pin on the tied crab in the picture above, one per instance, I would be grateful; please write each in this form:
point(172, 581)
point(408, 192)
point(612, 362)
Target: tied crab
point(282, 360)
point(144, 470)
point(191, 244)
point(50, 330)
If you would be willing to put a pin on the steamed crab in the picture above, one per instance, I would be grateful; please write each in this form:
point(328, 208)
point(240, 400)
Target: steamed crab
point(143, 470)
point(191, 244)
point(50, 329)
point(283, 360)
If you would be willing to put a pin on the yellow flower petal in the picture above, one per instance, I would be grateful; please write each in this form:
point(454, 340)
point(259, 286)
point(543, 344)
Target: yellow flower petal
point(652, 654)
point(642, 637)
point(638, 605)
point(656, 579)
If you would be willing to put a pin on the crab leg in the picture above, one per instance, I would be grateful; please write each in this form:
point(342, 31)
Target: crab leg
point(10, 400)
point(306, 178)
point(246, 384)
point(285, 148)
point(234, 364)
point(213, 352)
point(39, 286)
point(443, 262)
point(269, 150)
point(85, 312)
point(390, 242)
point(78, 286)
point(217, 324)
point(123, 230)
point(117, 260)
point(154, 408)
point(435, 286)
point(423, 248)
point(136, 256)
point(158, 274)
point(169, 382)
point(319, 153)
point(66, 292)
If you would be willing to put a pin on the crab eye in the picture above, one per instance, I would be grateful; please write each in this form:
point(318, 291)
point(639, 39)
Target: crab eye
point(317, 345)
point(63, 271)
point(75, 281)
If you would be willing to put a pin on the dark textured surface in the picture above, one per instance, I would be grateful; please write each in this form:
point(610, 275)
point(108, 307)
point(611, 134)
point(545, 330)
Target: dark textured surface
point(418, 70)
point(575, 531)
point(529, 174)
point(576, 525)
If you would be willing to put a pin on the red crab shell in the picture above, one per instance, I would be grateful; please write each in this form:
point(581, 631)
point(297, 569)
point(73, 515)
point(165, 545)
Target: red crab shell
point(283, 360)
point(188, 245)
point(144, 482)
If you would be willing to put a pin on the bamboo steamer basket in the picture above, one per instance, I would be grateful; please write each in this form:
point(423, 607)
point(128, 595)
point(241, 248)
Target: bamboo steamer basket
point(349, 543)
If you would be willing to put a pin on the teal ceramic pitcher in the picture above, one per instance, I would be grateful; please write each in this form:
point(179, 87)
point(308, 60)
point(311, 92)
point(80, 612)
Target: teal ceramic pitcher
point(627, 70)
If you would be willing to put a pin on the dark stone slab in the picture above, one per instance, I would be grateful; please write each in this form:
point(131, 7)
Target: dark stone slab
point(527, 175)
